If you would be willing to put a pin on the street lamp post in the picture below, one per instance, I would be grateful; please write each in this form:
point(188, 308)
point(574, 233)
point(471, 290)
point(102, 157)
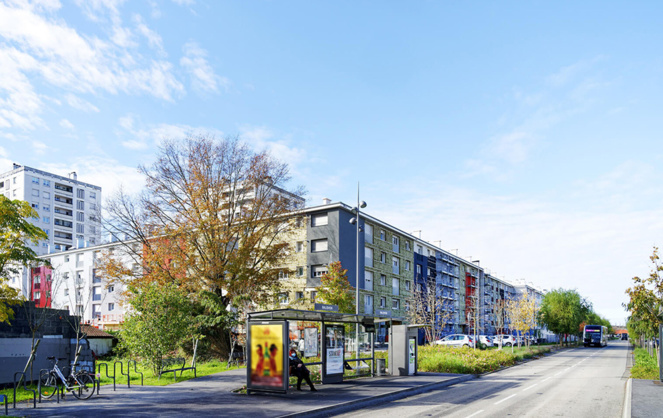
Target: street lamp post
point(355, 221)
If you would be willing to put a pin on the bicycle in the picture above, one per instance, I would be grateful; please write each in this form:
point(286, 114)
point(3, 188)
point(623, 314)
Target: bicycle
point(79, 383)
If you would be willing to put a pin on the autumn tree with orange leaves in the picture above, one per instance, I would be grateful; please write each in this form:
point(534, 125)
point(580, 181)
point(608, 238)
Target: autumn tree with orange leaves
point(214, 220)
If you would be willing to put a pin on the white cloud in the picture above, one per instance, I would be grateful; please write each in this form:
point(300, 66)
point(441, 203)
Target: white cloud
point(33, 43)
point(39, 147)
point(261, 138)
point(142, 137)
point(202, 75)
point(80, 104)
point(153, 38)
point(66, 124)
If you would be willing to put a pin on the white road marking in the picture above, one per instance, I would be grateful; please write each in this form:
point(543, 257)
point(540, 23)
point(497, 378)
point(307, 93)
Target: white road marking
point(508, 397)
point(547, 378)
point(476, 413)
point(528, 388)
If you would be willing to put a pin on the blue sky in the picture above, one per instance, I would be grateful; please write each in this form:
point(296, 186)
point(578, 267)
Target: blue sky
point(523, 135)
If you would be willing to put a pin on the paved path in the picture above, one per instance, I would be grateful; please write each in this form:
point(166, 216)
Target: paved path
point(212, 396)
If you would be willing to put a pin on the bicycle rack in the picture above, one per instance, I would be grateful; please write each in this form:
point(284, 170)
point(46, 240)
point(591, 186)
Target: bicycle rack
point(99, 371)
point(122, 372)
point(34, 394)
point(135, 370)
point(4, 397)
point(41, 373)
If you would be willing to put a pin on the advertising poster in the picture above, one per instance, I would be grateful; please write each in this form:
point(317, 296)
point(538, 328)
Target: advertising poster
point(334, 341)
point(310, 342)
point(267, 356)
point(411, 354)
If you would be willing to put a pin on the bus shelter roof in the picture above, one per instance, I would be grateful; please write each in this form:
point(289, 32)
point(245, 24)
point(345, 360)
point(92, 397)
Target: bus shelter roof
point(317, 316)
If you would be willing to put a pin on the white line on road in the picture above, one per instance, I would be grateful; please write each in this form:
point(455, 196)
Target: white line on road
point(558, 373)
point(528, 388)
point(547, 378)
point(476, 413)
point(508, 397)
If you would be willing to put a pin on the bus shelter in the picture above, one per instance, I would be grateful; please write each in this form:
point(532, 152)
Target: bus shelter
point(269, 339)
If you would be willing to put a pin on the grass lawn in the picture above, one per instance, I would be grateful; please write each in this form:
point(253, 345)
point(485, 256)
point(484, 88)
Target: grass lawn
point(202, 369)
point(645, 366)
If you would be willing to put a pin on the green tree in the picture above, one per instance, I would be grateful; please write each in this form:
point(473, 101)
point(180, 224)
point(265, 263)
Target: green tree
point(160, 321)
point(16, 234)
point(562, 311)
point(646, 301)
point(335, 288)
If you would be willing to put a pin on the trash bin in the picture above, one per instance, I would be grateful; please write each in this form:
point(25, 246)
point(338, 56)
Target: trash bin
point(382, 366)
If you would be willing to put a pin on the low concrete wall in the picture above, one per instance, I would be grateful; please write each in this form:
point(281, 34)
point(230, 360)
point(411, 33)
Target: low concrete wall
point(58, 338)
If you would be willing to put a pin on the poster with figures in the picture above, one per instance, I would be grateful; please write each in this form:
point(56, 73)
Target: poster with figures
point(267, 358)
point(310, 342)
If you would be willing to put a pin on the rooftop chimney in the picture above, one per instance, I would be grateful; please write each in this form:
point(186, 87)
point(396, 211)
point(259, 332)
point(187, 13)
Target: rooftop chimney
point(73, 175)
point(326, 201)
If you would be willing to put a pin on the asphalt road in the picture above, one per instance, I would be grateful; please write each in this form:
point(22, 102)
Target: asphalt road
point(581, 382)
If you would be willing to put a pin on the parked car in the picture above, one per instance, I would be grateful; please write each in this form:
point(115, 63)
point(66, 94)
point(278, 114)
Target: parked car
point(456, 340)
point(486, 340)
point(507, 340)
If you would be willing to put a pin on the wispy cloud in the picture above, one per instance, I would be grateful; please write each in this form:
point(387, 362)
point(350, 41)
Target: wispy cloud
point(144, 136)
point(202, 75)
point(33, 41)
point(66, 124)
point(80, 104)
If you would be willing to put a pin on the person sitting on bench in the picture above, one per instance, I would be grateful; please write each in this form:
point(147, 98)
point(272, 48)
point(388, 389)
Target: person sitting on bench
point(298, 369)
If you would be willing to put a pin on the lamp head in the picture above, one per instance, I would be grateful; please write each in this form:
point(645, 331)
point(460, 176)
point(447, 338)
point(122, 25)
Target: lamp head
point(353, 220)
point(363, 204)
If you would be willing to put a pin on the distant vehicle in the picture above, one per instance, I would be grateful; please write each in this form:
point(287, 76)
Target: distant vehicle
point(507, 340)
point(456, 340)
point(486, 340)
point(625, 337)
point(595, 335)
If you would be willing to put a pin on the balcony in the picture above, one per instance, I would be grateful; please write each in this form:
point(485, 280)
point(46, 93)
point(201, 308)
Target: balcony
point(63, 200)
point(96, 297)
point(63, 212)
point(63, 188)
point(36, 286)
point(64, 224)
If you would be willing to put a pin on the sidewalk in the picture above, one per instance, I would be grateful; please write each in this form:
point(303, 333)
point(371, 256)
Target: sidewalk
point(212, 396)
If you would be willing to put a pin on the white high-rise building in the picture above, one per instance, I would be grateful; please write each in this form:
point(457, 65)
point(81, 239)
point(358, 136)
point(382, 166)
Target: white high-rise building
point(69, 210)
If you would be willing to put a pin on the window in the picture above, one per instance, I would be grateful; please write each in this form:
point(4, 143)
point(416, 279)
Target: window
point(80, 228)
point(14, 180)
point(394, 240)
point(35, 180)
point(407, 306)
point(80, 216)
point(383, 302)
point(420, 249)
point(395, 265)
point(47, 183)
point(383, 280)
point(368, 303)
point(407, 245)
point(318, 245)
point(93, 195)
point(283, 298)
point(111, 306)
point(283, 274)
point(395, 304)
point(408, 285)
point(368, 280)
point(35, 192)
point(300, 271)
point(368, 257)
point(430, 272)
point(37, 295)
point(299, 295)
point(80, 205)
point(14, 193)
point(408, 265)
point(111, 289)
point(93, 206)
point(313, 295)
point(66, 292)
point(383, 257)
point(299, 246)
point(46, 195)
point(35, 205)
point(46, 208)
point(418, 268)
point(368, 233)
point(395, 287)
point(382, 235)
point(46, 219)
point(80, 193)
point(37, 279)
point(318, 271)
point(319, 219)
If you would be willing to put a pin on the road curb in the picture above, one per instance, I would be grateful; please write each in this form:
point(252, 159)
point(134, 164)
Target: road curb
point(386, 397)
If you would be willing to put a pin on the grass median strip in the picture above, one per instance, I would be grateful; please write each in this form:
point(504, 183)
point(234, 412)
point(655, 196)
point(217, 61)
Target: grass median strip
point(645, 366)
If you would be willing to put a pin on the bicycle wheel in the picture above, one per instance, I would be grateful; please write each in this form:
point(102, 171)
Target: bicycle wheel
point(48, 385)
point(85, 388)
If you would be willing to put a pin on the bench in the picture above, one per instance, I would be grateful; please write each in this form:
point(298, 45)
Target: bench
point(174, 365)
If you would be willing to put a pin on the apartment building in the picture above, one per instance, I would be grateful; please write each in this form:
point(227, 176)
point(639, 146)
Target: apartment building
point(74, 284)
point(68, 210)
